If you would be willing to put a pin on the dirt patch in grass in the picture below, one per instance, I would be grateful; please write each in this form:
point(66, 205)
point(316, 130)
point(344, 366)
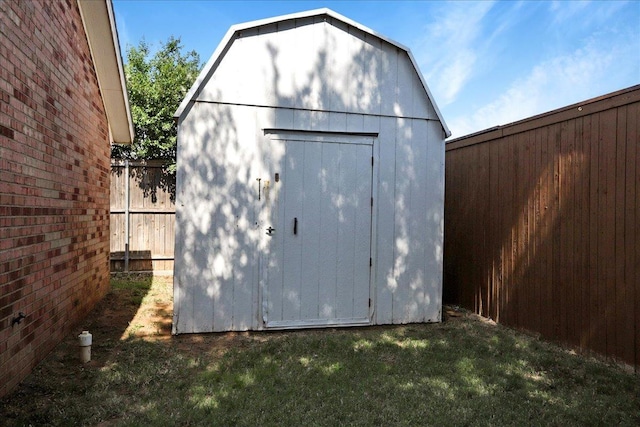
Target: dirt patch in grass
point(464, 371)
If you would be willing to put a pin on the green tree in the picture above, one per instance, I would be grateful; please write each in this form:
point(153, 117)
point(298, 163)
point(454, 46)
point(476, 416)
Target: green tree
point(156, 85)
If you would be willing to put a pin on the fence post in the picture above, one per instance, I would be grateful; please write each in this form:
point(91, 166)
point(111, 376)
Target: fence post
point(126, 216)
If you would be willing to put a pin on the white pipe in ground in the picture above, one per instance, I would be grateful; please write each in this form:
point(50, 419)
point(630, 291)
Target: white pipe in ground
point(84, 340)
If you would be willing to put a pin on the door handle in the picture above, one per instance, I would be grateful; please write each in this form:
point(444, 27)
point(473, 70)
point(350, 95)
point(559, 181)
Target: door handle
point(270, 230)
point(295, 226)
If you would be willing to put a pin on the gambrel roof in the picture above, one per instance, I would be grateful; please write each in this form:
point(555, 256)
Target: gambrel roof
point(236, 32)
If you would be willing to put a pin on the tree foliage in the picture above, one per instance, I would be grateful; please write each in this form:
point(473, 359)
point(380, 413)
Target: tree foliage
point(156, 85)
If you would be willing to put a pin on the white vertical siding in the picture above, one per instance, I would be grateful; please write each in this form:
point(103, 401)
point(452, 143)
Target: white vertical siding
point(312, 236)
point(313, 64)
point(386, 284)
point(346, 248)
point(362, 171)
point(311, 74)
point(403, 305)
point(435, 220)
point(327, 289)
point(216, 220)
point(410, 205)
point(284, 118)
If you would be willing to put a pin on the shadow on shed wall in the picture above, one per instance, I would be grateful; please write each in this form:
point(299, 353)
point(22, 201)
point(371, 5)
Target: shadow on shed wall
point(223, 236)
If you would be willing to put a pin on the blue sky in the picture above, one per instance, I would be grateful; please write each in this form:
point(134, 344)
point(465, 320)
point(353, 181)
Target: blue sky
point(486, 63)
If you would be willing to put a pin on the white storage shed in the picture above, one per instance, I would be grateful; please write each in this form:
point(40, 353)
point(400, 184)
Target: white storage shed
point(310, 182)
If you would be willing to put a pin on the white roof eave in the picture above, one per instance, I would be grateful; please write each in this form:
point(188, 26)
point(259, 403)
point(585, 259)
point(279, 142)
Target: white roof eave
point(102, 35)
point(228, 38)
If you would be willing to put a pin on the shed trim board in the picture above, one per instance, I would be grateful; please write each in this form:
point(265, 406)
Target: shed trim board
point(310, 183)
point(314, 110)
point(340, 137)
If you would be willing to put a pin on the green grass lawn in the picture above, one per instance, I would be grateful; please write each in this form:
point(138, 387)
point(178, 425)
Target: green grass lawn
point(461, 372)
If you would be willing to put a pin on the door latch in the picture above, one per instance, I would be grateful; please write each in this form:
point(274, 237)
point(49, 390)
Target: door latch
point(270, 230)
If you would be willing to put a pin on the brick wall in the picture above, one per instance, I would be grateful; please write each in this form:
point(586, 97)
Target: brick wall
point(54, 182)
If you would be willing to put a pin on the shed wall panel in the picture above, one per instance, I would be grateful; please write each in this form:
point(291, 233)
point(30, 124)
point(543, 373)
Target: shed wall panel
point(314, 235)
point(318, 66)
point(384, 265)
point(216, 225)
point(434, 194)
point(402, 232)
point(318, 74)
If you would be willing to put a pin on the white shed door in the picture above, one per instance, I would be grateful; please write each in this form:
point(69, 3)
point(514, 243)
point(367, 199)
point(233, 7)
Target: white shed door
point(318, 229)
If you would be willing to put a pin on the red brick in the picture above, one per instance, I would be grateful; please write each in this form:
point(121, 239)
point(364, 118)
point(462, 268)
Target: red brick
point(54, 154)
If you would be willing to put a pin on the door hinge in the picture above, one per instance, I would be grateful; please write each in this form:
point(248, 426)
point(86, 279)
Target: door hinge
point(370, 262)
point(371, 160)
point(372, 202)
point(369, 302)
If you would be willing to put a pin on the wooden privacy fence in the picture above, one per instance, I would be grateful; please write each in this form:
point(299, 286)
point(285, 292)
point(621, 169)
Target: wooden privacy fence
point(541, 224)
point(142, 216)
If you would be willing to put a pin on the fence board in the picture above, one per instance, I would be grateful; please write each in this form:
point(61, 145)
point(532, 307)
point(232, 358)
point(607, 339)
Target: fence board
point(598, 338)
point(483, 233)
point(581, 287)
point(622, 335)
point(495, 248)
point(545, 180)
point(633, 248)
point(556, 261)
point(541, 225)
point(528, 205)
point(607, 229)
point(151, 215)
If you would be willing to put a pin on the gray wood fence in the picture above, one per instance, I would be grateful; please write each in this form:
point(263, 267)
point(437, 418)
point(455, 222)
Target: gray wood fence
point(142, 216)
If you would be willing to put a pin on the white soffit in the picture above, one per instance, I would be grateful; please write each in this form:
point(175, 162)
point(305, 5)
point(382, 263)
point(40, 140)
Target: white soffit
point(100, 28)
